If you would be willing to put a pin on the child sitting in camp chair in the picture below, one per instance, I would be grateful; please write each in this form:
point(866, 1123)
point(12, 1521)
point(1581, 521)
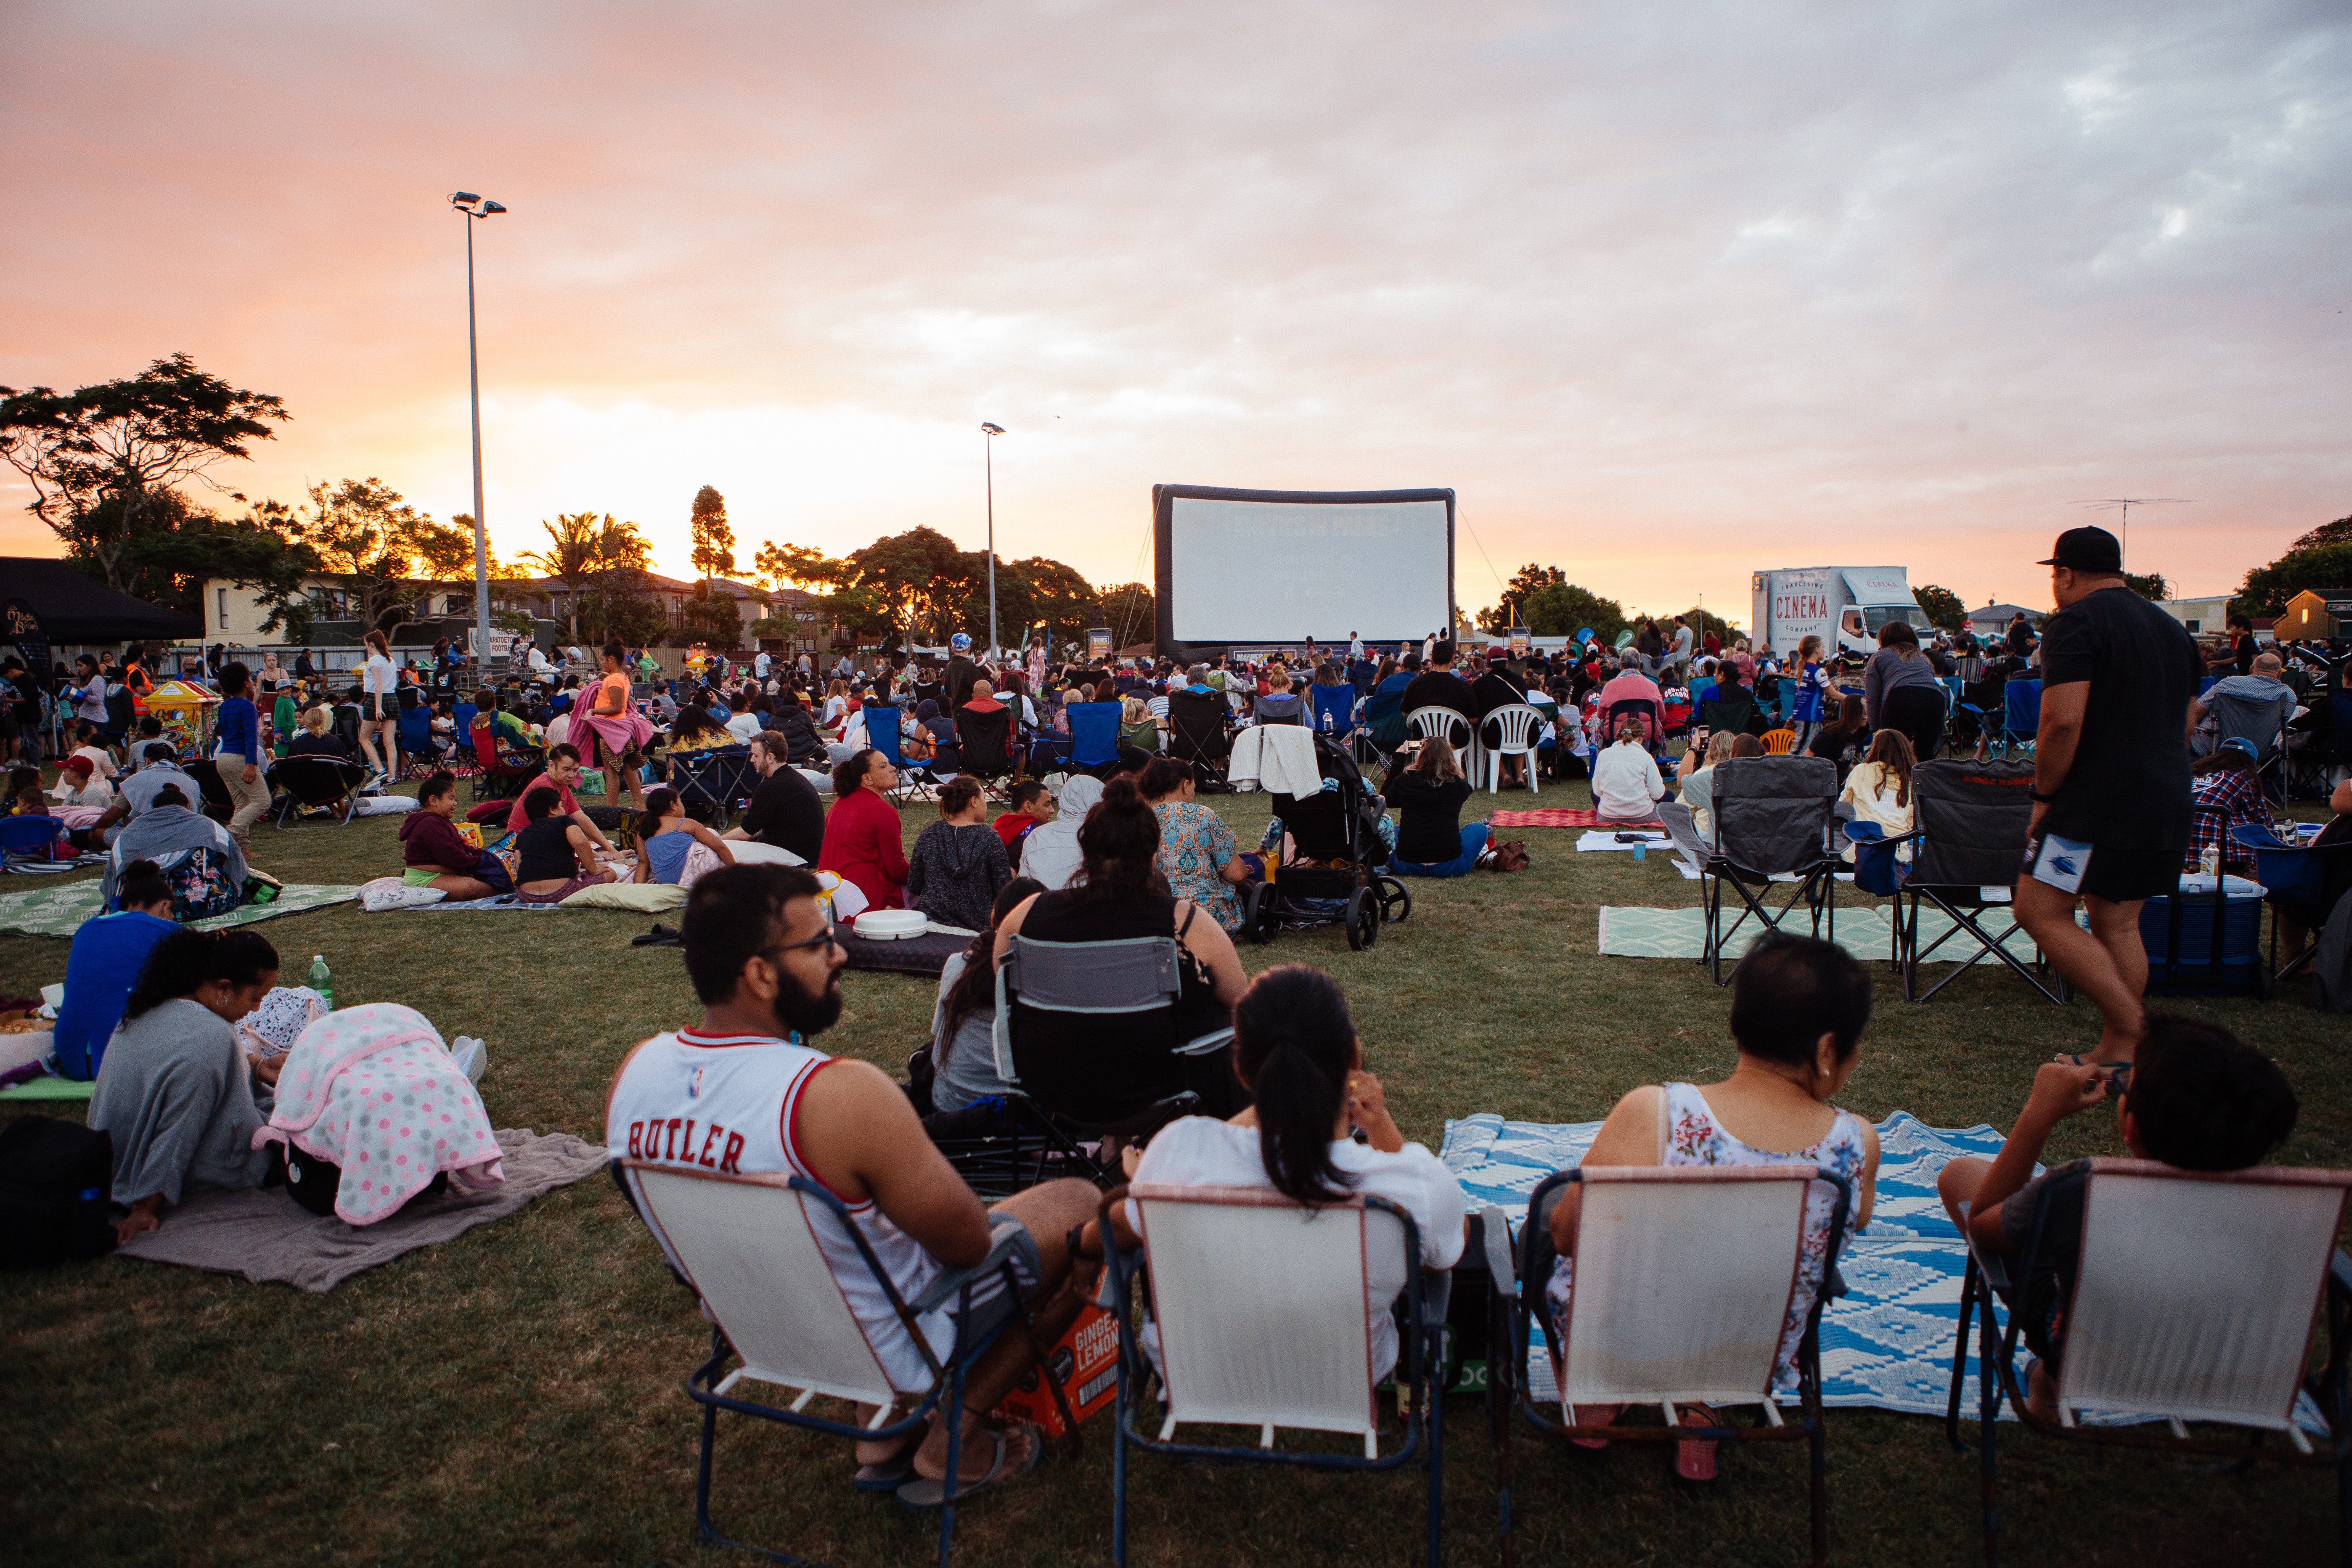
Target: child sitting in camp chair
point(2194, 1096)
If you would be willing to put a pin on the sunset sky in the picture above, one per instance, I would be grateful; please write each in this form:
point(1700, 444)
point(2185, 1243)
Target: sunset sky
point(1666, 293)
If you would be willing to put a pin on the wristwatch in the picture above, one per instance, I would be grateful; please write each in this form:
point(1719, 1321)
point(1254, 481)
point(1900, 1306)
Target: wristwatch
point(2041, 799)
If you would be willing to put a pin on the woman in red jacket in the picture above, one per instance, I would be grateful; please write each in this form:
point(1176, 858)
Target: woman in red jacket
point(862, 842)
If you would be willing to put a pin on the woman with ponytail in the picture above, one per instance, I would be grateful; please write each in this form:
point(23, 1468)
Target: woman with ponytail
point(1296, 1051)
point(175, 1090)
point(1119, 894)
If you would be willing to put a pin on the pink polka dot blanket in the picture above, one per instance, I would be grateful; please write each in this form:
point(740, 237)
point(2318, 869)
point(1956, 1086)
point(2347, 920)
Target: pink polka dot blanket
point(373, 1090)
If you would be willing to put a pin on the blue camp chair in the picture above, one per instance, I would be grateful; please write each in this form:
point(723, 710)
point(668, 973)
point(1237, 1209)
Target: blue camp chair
point(1094, 735)
point(416, 733)
point(882, 734)
point(2020, 716)
point(24, 843)
point(2294, 878)
point(1333, 709)
point(1383, 726)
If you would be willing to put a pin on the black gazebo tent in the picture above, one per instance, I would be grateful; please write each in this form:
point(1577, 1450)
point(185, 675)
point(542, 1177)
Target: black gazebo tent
point(76, 609)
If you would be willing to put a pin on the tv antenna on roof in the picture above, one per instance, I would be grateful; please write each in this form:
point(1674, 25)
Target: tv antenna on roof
point(2126, 503)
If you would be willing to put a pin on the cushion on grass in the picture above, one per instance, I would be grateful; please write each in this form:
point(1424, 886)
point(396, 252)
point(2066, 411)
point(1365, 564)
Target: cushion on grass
point(644, 898)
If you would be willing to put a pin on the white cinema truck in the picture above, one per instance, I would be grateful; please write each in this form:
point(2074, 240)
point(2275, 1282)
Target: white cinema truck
point(1843, 605)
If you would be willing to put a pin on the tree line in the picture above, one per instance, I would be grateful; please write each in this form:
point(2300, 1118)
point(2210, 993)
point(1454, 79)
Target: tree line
point(115, 467)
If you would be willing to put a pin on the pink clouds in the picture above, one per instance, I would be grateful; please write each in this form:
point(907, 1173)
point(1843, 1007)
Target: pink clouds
point(1667, 296)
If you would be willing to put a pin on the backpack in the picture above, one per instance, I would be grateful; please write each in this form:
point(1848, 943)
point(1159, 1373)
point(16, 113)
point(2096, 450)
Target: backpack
point(200, 883)
point(55, 1178)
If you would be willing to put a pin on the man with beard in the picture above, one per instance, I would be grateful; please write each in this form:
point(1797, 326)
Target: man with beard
point(743, 1092)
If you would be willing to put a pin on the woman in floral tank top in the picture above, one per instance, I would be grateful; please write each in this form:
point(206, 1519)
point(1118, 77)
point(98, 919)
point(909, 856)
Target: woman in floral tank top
point(1798, 1010)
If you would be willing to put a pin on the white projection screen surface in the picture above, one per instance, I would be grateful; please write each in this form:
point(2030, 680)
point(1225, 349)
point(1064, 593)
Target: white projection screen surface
point(1240, 567)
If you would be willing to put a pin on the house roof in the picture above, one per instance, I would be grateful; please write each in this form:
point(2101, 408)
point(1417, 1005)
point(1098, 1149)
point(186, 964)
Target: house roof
point(75, 608)
point(2005, 613)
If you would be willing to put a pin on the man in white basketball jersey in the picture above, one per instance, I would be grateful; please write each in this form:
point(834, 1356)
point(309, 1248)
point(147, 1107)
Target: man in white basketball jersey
point(744, 1092)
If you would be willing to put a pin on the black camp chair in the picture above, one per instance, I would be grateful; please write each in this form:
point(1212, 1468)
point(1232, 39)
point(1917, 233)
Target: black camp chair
point(713, 784)
point(1773, 817)
point(1731, 715)
point(1196, 735)
point(1968, 843)
point(1061, 1080)
point(988, 754)
point(216, 804)
point(304, 782)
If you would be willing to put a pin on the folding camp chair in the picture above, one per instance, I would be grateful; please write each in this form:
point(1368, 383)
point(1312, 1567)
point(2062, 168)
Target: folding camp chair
point(26, 843)
point(2296, 879)
point(1127, 1082)
point(1333, 710)
point(1684, 1276)
point(1516, 724)
point(2020, 717)
point(882, 722)
point(2260, 724)
point(987, 752)
point(304, 782)
point(750, 1247)
point(216, 803)
point(1773, 817)
point(2193, 1299)
point(501, 772)
point(1094, 736)
point(1259, 1306)
point(1382, 730)
point(1969, 846)
point(1196, 735)
point(713, 784)
point(1724, 716)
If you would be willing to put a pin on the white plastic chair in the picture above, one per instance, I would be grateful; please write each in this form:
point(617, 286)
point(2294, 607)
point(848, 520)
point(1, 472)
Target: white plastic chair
point(1448, 722)
point(1258, 1303)
point(2194, 1299)
point(1683, 1280)
point(1515, 724)
point(746, 1245)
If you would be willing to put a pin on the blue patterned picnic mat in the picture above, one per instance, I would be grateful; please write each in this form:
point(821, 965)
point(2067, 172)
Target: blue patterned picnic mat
point(1887, 1343)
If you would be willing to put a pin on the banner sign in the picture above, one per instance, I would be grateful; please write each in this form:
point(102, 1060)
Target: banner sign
point(1097, 643)
point(18, 625)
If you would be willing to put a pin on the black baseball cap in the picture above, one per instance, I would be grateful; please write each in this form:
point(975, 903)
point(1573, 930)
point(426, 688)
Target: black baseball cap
point(2086, 550)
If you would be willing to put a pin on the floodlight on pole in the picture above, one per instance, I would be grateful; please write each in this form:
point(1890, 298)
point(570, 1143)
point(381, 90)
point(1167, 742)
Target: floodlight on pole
point(467, 204)
point(988, 435)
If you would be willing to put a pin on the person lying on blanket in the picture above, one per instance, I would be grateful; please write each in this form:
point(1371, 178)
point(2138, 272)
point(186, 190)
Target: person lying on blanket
point(432, 853)
point(2193, 1096)
point(764, 960)
point(1798, 1010)
point(176, 1092)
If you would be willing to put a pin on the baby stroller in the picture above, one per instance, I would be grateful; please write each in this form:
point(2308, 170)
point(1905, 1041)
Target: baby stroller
point(1340, 853)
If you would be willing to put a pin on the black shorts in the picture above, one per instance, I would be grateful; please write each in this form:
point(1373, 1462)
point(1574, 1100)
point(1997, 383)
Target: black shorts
point(2119, 876)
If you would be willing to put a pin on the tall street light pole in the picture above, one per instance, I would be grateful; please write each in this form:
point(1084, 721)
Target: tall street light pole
point(469, 205)
point(988, 435)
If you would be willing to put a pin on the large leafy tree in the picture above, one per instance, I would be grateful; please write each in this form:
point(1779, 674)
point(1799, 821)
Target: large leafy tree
point(713, 539)
point(2320, 559)
point(1132, 613)
point(1059, 600)
point(101, 458)
point(1944, 607)
point(571, 558)
point(367, 539)
point(1549, 605)
point(918, 582)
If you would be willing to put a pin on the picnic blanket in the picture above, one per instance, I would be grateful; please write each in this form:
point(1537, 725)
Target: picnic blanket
point(265, 1236)
point(1865, 930)
point(48, 1088)
point(59, 910)
point(1561, 817)
point(1887, 1343)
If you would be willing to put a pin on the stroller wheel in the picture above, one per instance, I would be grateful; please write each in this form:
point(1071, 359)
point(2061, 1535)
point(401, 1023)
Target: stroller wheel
point(1258, 919)
point(1363, 918)
point(1396, 898)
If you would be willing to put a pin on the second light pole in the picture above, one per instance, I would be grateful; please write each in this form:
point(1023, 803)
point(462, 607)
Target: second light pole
point(470, 207)
point(988, 435)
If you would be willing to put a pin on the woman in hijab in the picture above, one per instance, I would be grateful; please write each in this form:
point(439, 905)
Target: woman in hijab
point(1050, 855)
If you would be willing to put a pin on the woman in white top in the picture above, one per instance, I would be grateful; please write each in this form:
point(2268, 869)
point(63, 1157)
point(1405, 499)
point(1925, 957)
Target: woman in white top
point(1798, 1010)
point(380, 707)
point(1294, 1047)
point(1879, 790)
point(1625, 782)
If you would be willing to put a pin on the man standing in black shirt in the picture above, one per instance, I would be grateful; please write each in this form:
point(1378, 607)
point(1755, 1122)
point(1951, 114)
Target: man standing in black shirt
point(2242, 646)
point(2110, 780)
point(784, 809)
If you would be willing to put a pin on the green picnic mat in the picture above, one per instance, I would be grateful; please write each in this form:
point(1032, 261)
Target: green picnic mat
point(45, 1088)
point(1864, 930)
point(59, 910)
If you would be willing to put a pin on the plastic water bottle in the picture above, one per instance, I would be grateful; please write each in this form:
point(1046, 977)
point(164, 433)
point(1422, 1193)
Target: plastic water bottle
point(322, 980)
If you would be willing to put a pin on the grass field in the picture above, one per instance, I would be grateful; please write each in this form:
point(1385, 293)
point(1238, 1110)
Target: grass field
point(515, 1394)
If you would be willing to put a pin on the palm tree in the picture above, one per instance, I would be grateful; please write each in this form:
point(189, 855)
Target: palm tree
point(579, 538)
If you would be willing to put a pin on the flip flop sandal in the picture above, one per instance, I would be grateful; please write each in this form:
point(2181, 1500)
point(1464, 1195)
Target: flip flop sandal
point(923, 1492)
point(891, 1473)
point(1695, 1457)
point(1595, 1415)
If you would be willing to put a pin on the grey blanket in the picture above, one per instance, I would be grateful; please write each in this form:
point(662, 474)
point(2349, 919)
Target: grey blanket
point(265, 1236)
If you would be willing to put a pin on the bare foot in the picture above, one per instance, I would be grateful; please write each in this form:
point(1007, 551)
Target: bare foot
point(979, 1451)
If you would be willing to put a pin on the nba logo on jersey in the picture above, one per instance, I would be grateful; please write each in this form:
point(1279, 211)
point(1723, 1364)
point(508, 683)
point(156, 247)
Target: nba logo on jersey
point(694, 1086)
